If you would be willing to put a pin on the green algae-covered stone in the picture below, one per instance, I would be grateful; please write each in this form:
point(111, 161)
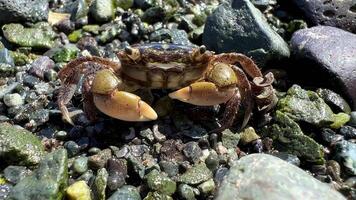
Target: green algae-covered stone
point(126, 192)
point(157, 196)
point(195, 175)
point(19, 146)
point(100, 184)
point(290, 138)
point(47, 182)
point(160, 183)
point(265, 177)
point(39, 36)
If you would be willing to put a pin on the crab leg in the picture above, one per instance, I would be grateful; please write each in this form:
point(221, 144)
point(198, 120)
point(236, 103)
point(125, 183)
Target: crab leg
point(203, 94)
point(124, 106)
point(70, 76)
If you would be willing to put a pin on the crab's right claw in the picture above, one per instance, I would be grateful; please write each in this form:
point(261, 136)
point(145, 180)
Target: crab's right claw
point(124, 106)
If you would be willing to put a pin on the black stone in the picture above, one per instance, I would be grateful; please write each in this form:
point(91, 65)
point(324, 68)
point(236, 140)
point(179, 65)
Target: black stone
point(325, 56)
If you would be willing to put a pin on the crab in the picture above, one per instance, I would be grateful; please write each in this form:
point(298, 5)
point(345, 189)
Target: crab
point(197, 75)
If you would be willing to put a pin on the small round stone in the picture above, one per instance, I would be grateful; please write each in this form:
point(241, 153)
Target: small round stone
point(171, 168)
point(186, 192)
point(72, 148)
point(14, 99)
point(78, 191)
point(60, 135)
point(93, 150)
point(348, 132)
point(207, 187)
point(80, 165)
point(212, 161)
point(192, 151)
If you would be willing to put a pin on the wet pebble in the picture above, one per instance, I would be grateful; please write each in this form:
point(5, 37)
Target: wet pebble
point(169, 167)
point(334, 100)
point(80, 165)
point(196, 174)
point(78, 191)
point(230, 139)
point(30, 80)
point(345, 154)
point(99, 160)
point(60, 135)
point(158, 182)
point(117, 170)
point(192, 151)
point(147, 134)
point(206, 187)
point(14, 174)
point(220, 174)
point(72, 148)
point(126, 192)
point(330, 137)
point(186, 192)
point(40, 66)
point(348, 132)
point(5, 190)
point(212, 161)
point(14, 99)
point(248, 135)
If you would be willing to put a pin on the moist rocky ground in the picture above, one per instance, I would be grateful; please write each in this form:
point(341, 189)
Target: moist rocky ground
point(305, 147)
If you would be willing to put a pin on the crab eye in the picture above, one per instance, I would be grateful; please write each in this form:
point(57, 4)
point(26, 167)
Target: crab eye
point(202, 49)
point(132, 53)
point(128, 50)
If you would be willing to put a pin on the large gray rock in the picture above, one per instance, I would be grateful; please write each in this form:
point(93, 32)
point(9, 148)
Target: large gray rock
point(325, 56)
point(242, 28)
point(341, 14)
point(19, 146)
point(47, 182)
point(265, 177)
point(23, 11)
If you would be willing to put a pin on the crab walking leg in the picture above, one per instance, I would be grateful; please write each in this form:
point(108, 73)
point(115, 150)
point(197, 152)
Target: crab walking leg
point(124, 106)
point(203, 94)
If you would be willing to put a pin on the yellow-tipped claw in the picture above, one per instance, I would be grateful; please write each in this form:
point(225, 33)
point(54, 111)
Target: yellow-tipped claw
point(203, 94)
point(124, 106)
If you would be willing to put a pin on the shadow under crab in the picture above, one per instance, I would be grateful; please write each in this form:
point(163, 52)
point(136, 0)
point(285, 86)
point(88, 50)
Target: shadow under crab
point(201, 77)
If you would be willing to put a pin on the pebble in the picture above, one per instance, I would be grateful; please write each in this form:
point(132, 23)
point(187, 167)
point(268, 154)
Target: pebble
point(60, 135)
point(102, 10)
point(40, 66)
point(220, 174)
point(186, 192)
point(6, 58)
point(192, 151)
point(117, 169)
point(5, 190)
point(207, 187)
point(170, 168)
point(334, 100)
point(348, 132)
point(12, 100)
point(80, 165)
point(212, 161)
point(78, 191)
point(100, 184)
point(126, 192)
point(230, 139)
point(99, 160)
point(345, 154)
point(195, 175)
point(330, 137)
point(162, 184)
point(72, 148)
point(248, 135)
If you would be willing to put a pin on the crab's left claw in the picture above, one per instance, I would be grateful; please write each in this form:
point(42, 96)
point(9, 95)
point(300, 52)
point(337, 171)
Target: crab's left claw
point(124, 106)
point(203, 94)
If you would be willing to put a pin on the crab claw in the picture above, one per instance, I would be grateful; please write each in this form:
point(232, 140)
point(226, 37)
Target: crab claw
point(124, 106)
point(203, 94)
